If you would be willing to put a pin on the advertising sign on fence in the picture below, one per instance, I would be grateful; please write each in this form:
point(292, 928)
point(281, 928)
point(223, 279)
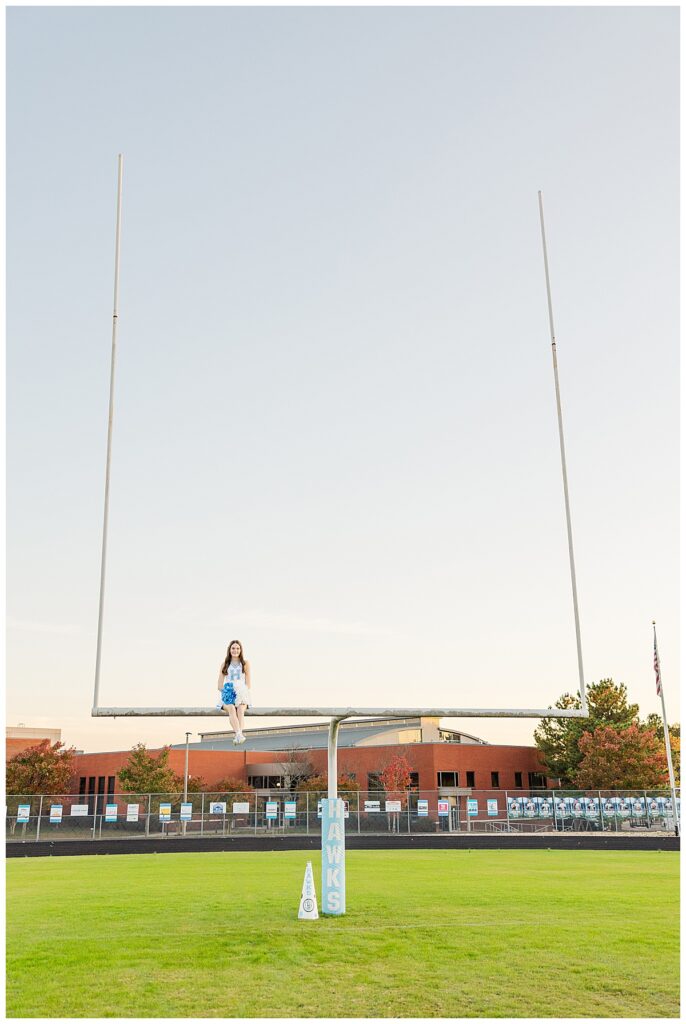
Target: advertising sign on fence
point(23, 813)
point(422, 808)
point(515, 806)
point(241, 807)
point(165, 812)
point(132, 812)
point(577, 807)
point(219, 807)
point(271, 810)
point(472, 808)
point(289, 809)
point(561, 807)
point(492, 808)
point(443, 808)
point(110, 812)
point(55, 813)
point(393, 806)
point(371, 806)
point(79, 810)
point(545, 807)
point(186, 812)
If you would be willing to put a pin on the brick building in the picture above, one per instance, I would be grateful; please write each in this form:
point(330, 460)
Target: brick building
point(21, 737)
point(450, 761)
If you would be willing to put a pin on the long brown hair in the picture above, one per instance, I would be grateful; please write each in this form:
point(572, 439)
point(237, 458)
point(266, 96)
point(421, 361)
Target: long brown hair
point(227, 659)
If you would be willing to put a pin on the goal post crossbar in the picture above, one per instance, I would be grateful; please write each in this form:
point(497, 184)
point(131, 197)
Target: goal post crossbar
point(310, 712)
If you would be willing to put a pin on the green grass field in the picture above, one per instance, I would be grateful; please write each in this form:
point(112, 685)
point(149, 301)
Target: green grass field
point(446, 933)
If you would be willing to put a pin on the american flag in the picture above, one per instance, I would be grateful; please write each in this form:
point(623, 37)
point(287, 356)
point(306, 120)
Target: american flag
point(656, 663)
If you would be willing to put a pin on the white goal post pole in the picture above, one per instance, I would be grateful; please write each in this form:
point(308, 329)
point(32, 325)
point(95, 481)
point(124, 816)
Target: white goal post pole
point(115, 316)
point(582, 686)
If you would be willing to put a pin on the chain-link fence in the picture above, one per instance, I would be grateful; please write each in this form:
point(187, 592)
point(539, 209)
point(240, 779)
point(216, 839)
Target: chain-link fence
point(39, 818)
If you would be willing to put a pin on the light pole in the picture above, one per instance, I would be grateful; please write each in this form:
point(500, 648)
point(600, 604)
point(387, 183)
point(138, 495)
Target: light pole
point(185, 780)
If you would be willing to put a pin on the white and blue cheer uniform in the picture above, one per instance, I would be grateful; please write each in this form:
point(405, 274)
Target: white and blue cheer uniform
point(235, 689)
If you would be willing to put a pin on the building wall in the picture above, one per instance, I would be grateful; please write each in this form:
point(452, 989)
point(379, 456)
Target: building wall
point(21, 737)
point(425, 758)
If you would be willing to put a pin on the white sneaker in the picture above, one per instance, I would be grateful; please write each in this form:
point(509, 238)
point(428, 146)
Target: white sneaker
point(235, 739)
point(240, 738)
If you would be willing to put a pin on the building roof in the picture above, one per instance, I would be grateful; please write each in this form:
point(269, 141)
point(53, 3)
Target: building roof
point(358, 732)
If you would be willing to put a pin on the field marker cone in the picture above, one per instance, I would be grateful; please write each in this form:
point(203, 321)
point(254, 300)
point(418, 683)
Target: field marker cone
point(308, 899)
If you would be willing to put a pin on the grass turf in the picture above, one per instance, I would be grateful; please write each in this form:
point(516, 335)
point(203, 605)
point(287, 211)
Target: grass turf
point(444, 933)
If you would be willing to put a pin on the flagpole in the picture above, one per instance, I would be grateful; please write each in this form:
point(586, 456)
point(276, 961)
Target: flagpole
point(668, 744)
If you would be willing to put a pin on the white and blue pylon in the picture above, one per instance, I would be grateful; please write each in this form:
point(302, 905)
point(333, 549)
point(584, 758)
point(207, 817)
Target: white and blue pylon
point(308, 898)
point(333, 856)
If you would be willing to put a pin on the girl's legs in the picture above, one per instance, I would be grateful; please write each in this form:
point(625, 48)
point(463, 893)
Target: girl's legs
point(235, 725)
point(240, 715)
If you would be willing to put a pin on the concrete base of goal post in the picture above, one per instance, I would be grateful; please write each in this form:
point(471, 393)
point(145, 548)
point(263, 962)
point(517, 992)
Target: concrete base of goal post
point(333, 857)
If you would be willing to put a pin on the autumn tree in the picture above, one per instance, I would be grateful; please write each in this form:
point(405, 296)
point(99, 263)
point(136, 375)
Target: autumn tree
point(320, 784)
point(630, 758)
point(395, 776)
point(144, 773)
point(45, 768)
point(558, 738)
point(654, 722)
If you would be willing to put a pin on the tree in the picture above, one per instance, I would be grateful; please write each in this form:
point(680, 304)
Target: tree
point(229, 785)
point(145, 773)
point(654, 722)
point(296, 767)
point(395, 776)
point(630, 758)
point(558, 738)
point(320, 784)
point(45, 768)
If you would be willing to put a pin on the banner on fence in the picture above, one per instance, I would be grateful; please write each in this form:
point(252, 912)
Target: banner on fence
point(132, 812)
point(78, 810)
point(271, 810)
point(472, 807)
point(186, 812)
point(370, 806)
point(110, 812)
point(55, 813)
point(492, 808)
point(289, 809)
point(422, 808)
point(219, 807)
point(240, 807)
point(443, 808)
point(393, 806)
point(515, 806)
point(165, 812)
point(23, 813)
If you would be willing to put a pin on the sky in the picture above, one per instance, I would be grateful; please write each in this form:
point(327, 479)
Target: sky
point(335, 434)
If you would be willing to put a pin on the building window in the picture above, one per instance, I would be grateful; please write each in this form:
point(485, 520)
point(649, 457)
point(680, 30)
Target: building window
point(537, 780)
point(495, 780)
point(470, 779)
point(266, 781)
point(447, 778)
point(110, 785)
point(374, 782)
point(414, 781)
point(82, 785)
point(518, 780)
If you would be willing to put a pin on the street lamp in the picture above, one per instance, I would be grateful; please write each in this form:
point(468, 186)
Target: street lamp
point(185, 773)
point(185, 781)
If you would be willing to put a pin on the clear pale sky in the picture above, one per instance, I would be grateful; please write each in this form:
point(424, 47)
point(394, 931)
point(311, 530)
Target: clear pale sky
point(335, 434)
